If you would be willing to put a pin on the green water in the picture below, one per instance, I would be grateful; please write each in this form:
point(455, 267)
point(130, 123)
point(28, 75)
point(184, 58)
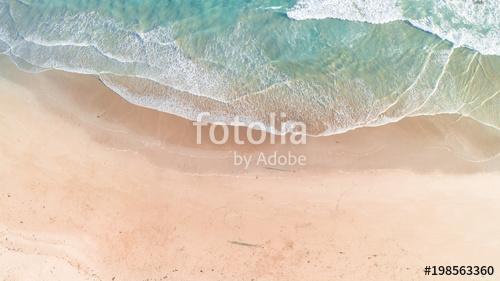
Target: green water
point(250, 58)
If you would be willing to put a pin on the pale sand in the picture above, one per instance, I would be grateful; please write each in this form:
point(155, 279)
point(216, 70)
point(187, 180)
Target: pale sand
point(93, 188)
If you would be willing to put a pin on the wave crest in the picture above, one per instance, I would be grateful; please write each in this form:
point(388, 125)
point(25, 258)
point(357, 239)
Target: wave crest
point(473, 24)
point(332, 75)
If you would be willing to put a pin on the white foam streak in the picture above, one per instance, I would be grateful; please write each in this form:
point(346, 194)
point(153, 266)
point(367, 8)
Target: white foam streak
point(372, 11)
point(464, 23)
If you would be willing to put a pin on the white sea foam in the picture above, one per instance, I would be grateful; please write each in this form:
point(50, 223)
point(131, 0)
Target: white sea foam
point(469, 23)
point(150, 69)
point(373, 11)
point(89, 43)
point(274, 8)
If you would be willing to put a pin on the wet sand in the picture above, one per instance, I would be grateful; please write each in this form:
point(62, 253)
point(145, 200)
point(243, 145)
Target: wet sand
point(94, 188)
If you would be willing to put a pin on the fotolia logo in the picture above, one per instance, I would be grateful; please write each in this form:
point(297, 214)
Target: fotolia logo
point(291, 131)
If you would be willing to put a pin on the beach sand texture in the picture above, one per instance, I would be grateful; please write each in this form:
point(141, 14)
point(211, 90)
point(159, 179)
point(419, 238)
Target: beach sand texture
point(94, 188)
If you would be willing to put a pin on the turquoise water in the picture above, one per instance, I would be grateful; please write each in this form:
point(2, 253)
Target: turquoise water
point(335, 65)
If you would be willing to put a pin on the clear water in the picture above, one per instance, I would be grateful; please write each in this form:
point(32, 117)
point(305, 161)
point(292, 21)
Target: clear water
point(335, 65)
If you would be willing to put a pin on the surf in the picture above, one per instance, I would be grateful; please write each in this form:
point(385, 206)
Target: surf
point(474, 23)
point(248, 59)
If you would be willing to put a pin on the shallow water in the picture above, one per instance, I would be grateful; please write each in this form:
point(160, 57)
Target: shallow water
point(335, 65)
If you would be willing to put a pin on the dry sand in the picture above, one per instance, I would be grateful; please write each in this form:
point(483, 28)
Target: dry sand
point(94, 188)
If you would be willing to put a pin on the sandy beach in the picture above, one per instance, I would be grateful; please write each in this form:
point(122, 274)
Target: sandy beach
point(95, 188)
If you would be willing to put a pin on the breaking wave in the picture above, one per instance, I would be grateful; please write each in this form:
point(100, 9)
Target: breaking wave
point(470, 23)
point(248, 59)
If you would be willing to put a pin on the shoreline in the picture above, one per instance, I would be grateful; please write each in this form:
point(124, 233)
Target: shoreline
point(95, 188)
point(441, 139)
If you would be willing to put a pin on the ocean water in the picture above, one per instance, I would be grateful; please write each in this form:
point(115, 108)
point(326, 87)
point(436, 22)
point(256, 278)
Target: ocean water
point(333, 64)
